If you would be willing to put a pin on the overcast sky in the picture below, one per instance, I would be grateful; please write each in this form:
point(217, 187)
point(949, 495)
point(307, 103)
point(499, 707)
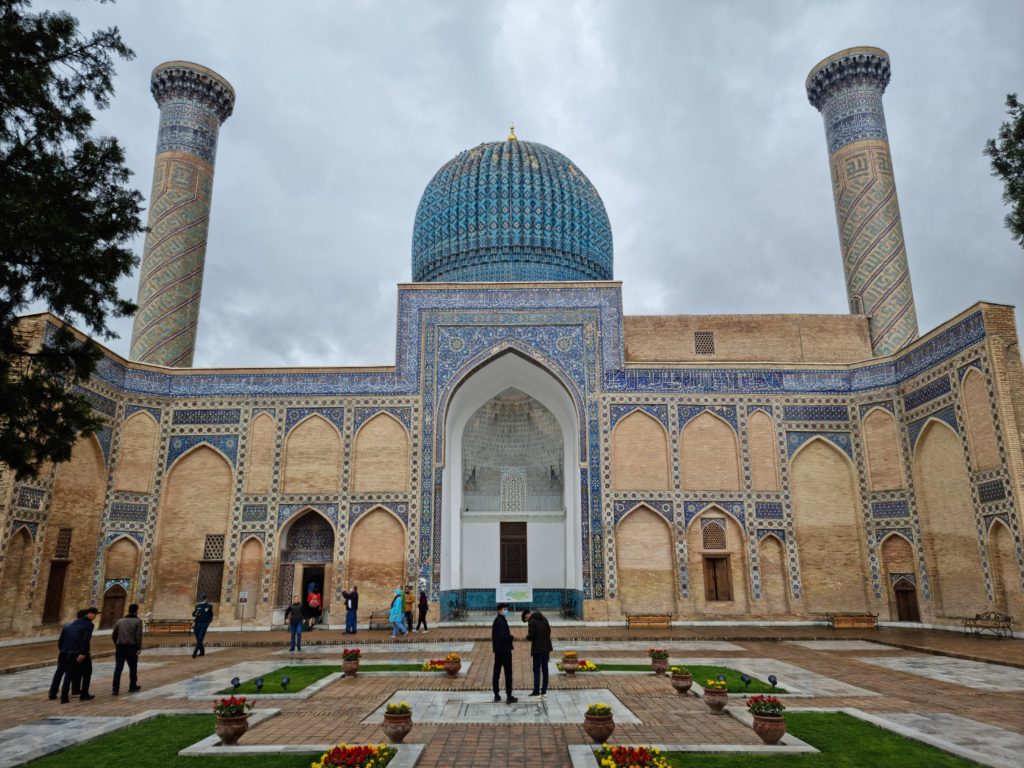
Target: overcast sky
point(691, 120)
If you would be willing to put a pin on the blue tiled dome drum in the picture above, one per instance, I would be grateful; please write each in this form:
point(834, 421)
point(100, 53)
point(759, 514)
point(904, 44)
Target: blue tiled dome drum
point(510, 211)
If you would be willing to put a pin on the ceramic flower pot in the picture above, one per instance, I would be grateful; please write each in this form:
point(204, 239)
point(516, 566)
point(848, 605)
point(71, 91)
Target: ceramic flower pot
point(659, 666)
point(599, 727)
point(351, 667)
point(716, 700)
point(569, 666)
point(682, 683)
point(770, 728)
point(230, 729)
point(452, 668)
point(397, 727)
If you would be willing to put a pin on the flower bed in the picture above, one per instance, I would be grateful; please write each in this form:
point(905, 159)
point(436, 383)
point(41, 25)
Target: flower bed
point(630, 757)
point(584, 666)
point(344, 756)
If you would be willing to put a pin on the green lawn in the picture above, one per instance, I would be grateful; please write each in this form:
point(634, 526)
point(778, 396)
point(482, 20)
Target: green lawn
point(155, 744)
point(732, 679)
point(844, 741)
point(302, 677)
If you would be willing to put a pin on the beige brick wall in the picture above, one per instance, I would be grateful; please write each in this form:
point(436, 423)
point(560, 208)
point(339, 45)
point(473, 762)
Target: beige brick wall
point(196, 502)
point(380, 459)
point(748, 338)
point(948, 528)
point(1006, 586)
point(122, 562)
point(709, 456)
point(312, 458)
point(376, 559)
point(250, 567)
point(764, 464)
point(14, 585)
point(898, 555)
point(774, 576)
point(735, 551)
point(643, 551)
point(981, 429)
point(260, 465)
point(639, 454)
point(829, 534)
point(136, 458)
point(883, 452)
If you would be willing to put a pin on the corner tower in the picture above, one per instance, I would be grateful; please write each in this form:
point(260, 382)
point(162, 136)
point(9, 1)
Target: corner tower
point(847, 89)
point(193, 102)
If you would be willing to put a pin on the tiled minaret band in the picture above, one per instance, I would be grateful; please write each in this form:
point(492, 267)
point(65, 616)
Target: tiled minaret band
point(847, 89)
point(193, 101)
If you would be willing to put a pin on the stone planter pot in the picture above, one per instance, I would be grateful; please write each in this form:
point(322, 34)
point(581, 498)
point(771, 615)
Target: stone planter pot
point(682, 683)
point(230, 729)
point(569, 666)
point(659, 666)
point(397, 727)
point(716, 700)
point(351, 668)
point(770, 728)
point(599, 727)
point(452, 668)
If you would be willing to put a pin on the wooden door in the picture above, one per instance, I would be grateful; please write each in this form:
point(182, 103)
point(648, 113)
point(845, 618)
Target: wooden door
point(513, 553)
point(906, 601)
point(55, 591)
point(113, 606)
point(717, 579)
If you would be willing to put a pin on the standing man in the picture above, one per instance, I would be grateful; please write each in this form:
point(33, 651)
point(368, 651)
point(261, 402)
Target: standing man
point(351, 606)
point(538, 632)
point(65, 663)
point(127, 637)
point(77, 641)
point(201, 618)
point(501, 644)
point(293, 616)
point(407, 603)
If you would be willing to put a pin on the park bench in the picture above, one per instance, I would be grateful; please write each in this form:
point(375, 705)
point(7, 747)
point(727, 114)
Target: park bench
point(168, 626)
point(991, 621)
point(852, 620)
point(379, 620)
point(651, 620)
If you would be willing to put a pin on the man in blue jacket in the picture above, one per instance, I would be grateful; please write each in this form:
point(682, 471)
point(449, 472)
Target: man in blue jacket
point(501, 644)
point(65, 663)
point(201, 618)
point(77, 637)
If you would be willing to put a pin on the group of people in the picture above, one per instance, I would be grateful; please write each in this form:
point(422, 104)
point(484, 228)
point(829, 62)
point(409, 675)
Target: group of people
point(400, 613)
point(74, 655)
point(538, 634)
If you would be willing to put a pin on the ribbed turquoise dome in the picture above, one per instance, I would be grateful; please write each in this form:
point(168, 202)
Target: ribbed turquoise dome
point(510, 211)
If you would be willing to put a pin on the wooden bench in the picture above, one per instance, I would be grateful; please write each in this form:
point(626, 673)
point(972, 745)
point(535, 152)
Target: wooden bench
point(653, 620)
point(379, 620)
point(168, 626)
point(852, 620)
point(991, 621)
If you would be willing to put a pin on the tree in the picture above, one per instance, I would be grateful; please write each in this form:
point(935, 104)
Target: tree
point(67, 221)
point(1007, 153)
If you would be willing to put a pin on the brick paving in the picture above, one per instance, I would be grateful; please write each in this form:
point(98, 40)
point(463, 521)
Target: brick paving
point(336, 713)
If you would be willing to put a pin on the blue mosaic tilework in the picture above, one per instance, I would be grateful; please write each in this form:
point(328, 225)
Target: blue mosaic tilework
point(990, 519)
point(947, 414)
point(777, 532)
point(881, 533)
point(285, 511)
point(855, 115)
point(28, 498)
point(882, 510)
point(619, 410)
point(180, 444)
point(929, 391)
point(767, 408)
point(400, 509)
point(28, 525)
point(768, 510)
point(511, 211)
point(154, 412)
point(690, 412)
point(847, 90)
point(104, 437)
point(207, 416)
point(104, 405)
point(124, 584)
point(991, 490)
point(252, 513)
point(189, 128)
point(839, 439)
point(112, 536)
point(962, 371)
point(362, 415)
point(310, 539)
point(334, 415)
point(885, 405)
point(815, 413)
point(693, 508)
point(130, 513)
point(621, 506)
point(258, 411)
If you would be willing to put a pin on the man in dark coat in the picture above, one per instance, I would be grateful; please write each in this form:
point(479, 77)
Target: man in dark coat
point(501, 643)
point(127, 637)
point(76, 644)
point(538, 632)
point(351, 607)
point(201, 618)
point(65, 663)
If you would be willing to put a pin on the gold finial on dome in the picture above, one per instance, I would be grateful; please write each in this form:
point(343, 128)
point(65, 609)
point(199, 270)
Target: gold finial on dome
point(512, 133)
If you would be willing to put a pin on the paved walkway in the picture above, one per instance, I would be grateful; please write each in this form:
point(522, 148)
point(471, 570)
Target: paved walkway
point(933, 680)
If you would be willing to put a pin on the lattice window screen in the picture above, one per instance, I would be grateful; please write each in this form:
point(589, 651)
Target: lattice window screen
point(513, 489)
point(704, 342)
point(713, 534)
point(213, 549)
point(209, 581)
point(63, 550)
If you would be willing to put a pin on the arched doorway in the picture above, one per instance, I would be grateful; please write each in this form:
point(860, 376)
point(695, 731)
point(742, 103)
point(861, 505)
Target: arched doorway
point(307, 551)
point(113, 606)
point(900, 567)
point(904, 593)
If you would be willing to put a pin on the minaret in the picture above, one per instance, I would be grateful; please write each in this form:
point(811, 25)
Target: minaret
point(193, 102)
point(847, 89)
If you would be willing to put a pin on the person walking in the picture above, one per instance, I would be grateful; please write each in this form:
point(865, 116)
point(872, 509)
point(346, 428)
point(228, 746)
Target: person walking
point(396, 614)
point(407, 603)
point(65, 662)
point(293, 615)
point(77, 643)
point(127, 637)
point(351, 606)
point(313, 601)
point(201, 618)
point(501, 644)
point(538, 632)
point(423, 606)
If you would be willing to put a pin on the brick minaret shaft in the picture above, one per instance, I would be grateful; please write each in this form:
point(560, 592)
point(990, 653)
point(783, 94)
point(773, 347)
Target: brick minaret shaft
point(847, 89)
point(193, 101)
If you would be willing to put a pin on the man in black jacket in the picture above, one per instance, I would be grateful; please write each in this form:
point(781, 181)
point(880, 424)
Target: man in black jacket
point(351, 608)
point(501, 643)
point(65, 663)
point(76, 644)
point(538, 632)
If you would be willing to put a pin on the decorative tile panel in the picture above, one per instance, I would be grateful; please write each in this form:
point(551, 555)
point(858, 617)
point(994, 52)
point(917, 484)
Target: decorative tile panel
point(929, 391)
point(180, 444)
point(815, 413)
point(207, 416)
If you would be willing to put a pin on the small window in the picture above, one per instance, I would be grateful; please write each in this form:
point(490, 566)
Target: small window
point(713, 534)
point(63, 549)
point(209, 581)
point(213, 549)
point(704, 342)
point(717, 580)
